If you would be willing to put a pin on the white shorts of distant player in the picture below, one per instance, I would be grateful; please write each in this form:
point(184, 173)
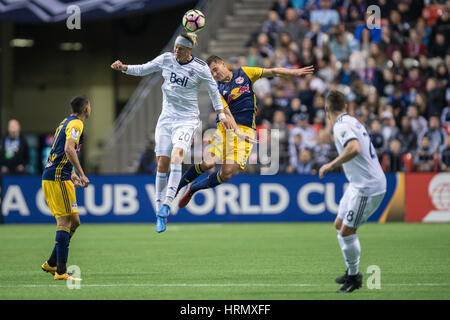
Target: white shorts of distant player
point(174, 133)
point(356, 208)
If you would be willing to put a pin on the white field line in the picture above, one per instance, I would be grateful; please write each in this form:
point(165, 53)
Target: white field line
point(443, 284)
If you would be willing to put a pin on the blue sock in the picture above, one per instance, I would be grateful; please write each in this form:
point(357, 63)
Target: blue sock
point(210, 182)
point(62, 249)
point(52, 260)
point(193, 173)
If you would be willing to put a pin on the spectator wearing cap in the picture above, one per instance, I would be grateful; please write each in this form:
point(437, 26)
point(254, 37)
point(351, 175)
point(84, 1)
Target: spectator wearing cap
point(309, 136)
point(406, 136)
point(14, 150)
point(376, 137)
point(435, 133)
point(388, 128)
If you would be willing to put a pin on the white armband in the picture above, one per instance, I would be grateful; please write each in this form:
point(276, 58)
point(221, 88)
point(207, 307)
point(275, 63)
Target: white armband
point(221, 116)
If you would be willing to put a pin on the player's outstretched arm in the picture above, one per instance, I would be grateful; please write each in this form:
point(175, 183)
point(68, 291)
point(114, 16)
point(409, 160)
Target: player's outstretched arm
point(139, 69)
point(351, 150)
point(287, 72)
point(71, 153)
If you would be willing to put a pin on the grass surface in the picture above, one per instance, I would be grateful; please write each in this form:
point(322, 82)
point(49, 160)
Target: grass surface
point(225, 261)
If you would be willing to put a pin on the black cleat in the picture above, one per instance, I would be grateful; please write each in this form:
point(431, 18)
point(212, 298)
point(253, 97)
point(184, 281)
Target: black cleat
point(341, 279)
point(352, 283)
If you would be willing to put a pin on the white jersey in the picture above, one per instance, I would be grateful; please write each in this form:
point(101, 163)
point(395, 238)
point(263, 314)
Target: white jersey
point(363, 171)
point(181, 84)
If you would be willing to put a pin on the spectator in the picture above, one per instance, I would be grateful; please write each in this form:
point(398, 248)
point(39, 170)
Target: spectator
point(435, 133)
point(323, 148)
point(296, 107)
point(394, 157)
point(415, 46)
point(267, 110)
point(293, 26)
point(309, 136)
point(406, 136)
point(14, 151)
point(445, 155)
point(306, 164)
point(295, 146)
point(414, 82)
point(264, 47)
point(340, 47)
point(388, 129)
point(424, 68)
point(326, 17)
point(418, 123)
point(376, 137)
point(346, 75)
point(272, 27)
point(373, 33)
point(281, 7)
point(147, 162)
point(435, 97)
point(439, 47)
point(424, 158)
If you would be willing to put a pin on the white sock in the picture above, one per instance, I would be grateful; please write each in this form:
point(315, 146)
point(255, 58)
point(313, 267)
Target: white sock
point(341, 244)
point(352, 251)
point(161, 188)
point(174, 181)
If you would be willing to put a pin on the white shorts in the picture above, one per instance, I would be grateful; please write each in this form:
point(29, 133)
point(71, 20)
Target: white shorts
point(355, 208)
point(172, 133)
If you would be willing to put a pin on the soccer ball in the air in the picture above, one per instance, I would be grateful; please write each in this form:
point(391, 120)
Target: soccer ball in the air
point(194, 20)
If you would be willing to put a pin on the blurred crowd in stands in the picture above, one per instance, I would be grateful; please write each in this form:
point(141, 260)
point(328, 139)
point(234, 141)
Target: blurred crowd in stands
point(395, 72)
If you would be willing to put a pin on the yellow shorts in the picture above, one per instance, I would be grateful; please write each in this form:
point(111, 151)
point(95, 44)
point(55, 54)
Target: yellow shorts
point(60, 196)
point(227, 143)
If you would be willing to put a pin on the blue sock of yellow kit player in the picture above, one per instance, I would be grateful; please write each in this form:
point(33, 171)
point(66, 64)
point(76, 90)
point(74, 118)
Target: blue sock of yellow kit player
point(193, 173)
point(211, 181)
point(52, 260)
point(62, 248)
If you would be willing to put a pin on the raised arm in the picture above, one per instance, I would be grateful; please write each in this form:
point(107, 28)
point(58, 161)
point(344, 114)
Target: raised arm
point(287, 72)
point(139, 69)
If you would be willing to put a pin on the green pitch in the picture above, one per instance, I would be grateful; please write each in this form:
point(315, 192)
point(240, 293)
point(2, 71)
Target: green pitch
point(226, 261)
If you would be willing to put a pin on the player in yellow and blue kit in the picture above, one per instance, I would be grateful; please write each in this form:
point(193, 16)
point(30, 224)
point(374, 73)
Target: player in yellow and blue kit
point(238, 97)
point(59, 182)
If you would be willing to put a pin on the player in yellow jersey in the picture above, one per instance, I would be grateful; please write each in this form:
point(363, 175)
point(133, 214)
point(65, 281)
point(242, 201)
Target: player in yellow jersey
point(238, 97)
point(59, 181)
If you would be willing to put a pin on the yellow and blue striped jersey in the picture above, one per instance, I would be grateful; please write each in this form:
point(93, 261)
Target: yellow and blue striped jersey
point(238, 95)
point(58, 167)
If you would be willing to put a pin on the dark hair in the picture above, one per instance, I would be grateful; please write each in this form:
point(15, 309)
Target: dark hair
point(78, 103)
point(214, 59)
point(336, 101)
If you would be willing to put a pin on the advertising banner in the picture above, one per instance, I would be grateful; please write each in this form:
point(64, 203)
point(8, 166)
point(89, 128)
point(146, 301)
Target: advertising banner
point(245, 198)
point(428, 197)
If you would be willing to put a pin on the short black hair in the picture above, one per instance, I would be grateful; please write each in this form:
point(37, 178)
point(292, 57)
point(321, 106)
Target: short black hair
point(336, 101)
point(78, 103)
point(214, 59)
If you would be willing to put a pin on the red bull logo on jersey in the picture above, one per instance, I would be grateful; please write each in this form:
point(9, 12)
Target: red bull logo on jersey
point(237, 92)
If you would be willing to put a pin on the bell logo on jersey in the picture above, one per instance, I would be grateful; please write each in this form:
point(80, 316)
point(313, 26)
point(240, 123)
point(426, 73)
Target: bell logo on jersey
point(178, 80)
point(237, 92)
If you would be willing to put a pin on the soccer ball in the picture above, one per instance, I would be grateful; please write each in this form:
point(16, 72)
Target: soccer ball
point(194, 20)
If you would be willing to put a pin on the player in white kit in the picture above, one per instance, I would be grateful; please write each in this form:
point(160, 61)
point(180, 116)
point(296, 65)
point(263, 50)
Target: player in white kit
point(366, 188)
point(183, 74)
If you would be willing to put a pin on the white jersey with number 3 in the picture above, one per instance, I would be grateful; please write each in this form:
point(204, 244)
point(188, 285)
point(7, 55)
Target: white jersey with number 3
point(363, 171)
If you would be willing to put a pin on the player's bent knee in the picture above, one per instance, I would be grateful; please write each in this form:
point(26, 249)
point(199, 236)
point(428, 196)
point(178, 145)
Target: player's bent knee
point(347, 231)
